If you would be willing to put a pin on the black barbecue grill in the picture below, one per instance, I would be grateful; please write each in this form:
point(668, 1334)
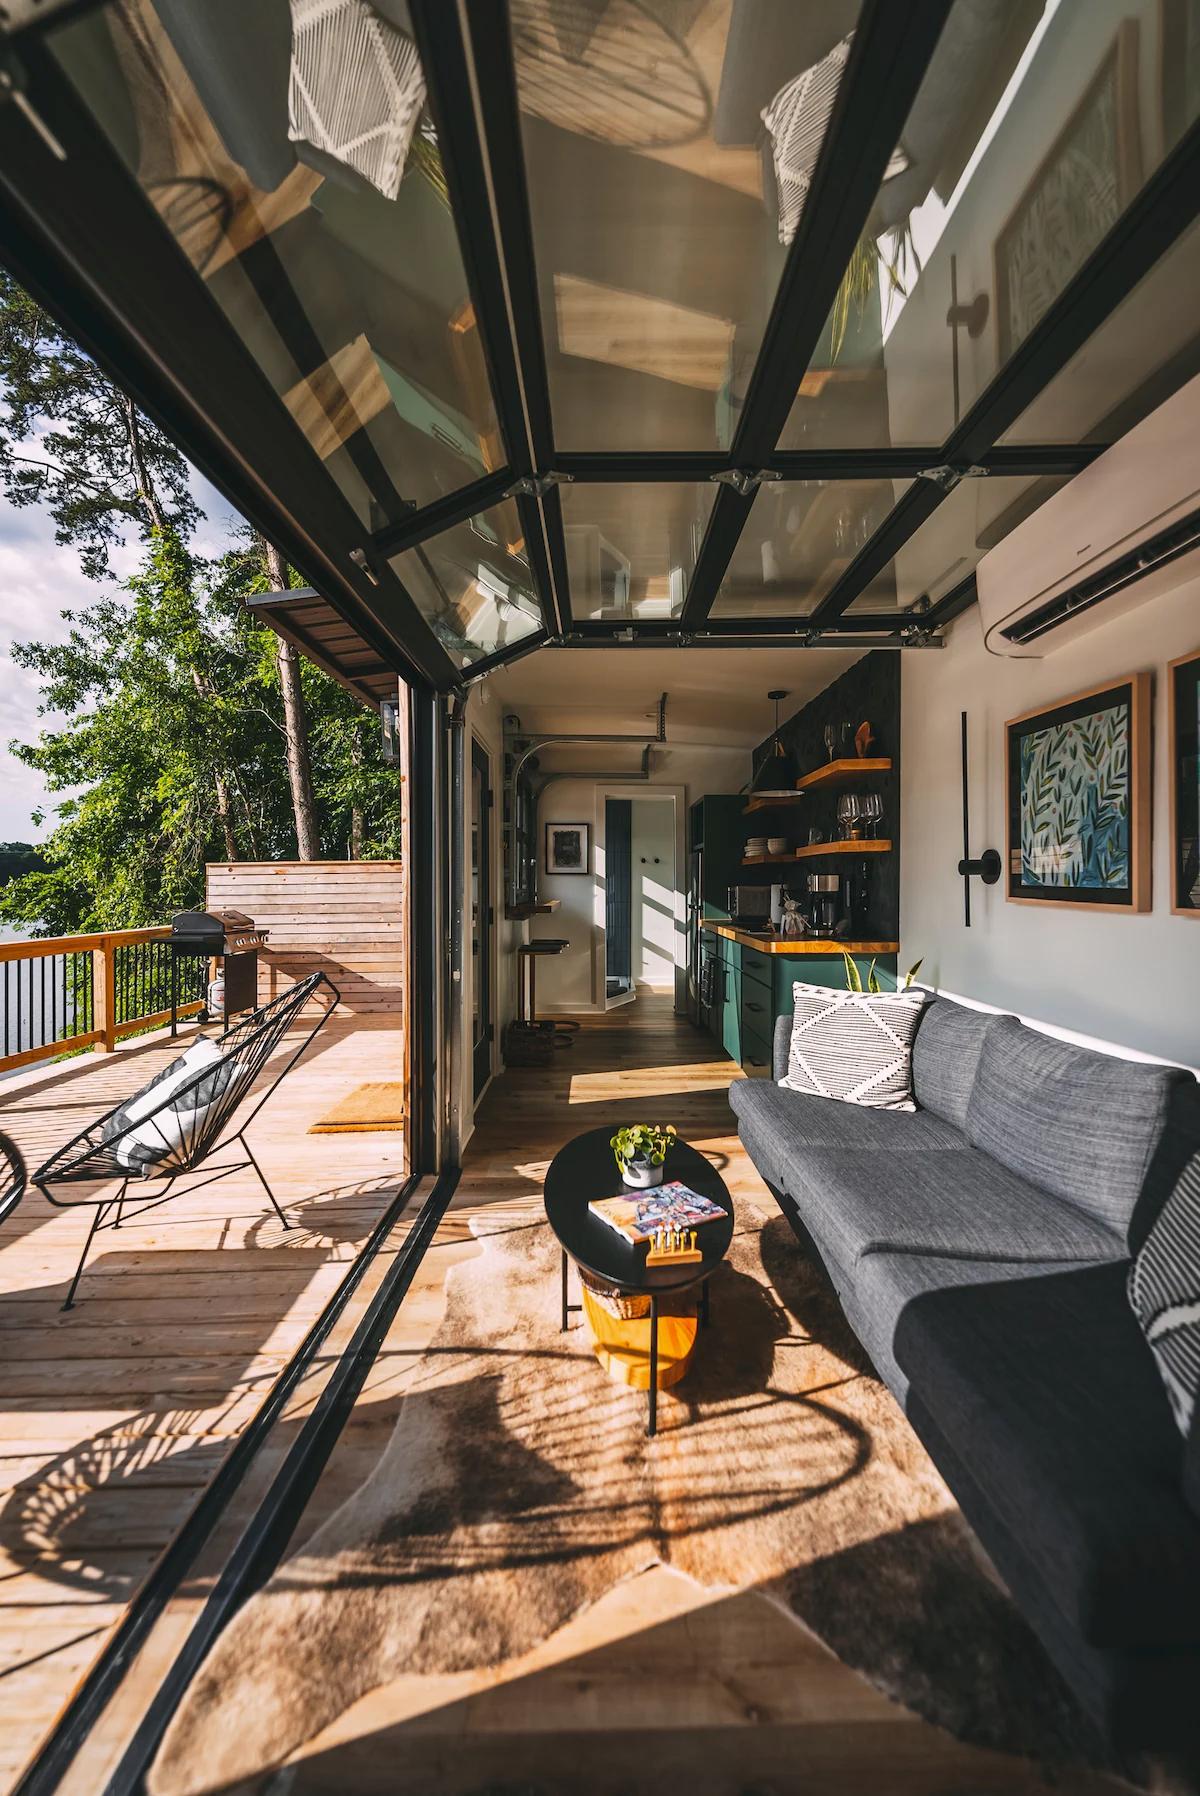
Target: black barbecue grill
point(229, 940)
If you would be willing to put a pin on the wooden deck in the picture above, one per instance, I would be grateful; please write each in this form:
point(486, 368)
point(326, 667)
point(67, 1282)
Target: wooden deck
point(114, 1416)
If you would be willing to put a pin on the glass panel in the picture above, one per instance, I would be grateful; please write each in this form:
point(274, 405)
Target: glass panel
point(1139, 356)
point(472, 584)
point(337, 265)
point(631, 549)
point(800, 537)
point(1033, 131)
point(971, 520)
point(660, 228)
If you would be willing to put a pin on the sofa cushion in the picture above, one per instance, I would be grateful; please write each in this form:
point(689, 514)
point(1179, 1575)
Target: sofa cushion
point(884, 1284)
point(774, 1121)
point(1164, 1289)
point(854, 1047)
point(956, 1201)
point(946, 1052)
point(1082, 1125)
point(1045, 1388)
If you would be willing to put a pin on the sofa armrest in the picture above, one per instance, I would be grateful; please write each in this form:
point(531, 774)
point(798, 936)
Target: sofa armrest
point(781, 1045)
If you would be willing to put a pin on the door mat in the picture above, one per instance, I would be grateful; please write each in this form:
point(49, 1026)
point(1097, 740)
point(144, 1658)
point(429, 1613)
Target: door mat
point(377, 1105)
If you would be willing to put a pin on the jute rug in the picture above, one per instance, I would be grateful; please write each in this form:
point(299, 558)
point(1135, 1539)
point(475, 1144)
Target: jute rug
point(519, 1485)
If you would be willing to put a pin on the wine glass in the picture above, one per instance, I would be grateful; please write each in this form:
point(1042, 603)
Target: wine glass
point(830, 739)
point(849, 811)
point(872, 812)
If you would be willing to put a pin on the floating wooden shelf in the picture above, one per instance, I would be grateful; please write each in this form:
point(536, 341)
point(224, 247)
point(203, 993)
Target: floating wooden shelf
point(814, 850)
point(778, 944)
point(843, 773)
point(772, 804)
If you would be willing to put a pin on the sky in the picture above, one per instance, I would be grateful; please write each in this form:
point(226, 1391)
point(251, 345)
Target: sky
point(39, 578)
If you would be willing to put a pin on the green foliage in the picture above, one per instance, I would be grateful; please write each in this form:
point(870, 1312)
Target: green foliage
point(642, 1141)
point(854, 977)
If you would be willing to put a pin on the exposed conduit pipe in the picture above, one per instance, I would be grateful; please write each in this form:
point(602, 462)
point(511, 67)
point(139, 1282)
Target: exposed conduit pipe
point(553, 741)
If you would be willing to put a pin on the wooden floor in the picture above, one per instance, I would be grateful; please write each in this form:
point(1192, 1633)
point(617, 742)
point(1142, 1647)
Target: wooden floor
point(754, 1704)
point(114, 1416)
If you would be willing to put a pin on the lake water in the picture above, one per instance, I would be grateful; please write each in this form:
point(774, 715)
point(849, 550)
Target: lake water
point(31, 1012)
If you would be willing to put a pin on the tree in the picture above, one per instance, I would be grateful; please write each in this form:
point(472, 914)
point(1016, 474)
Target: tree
point(295, 721)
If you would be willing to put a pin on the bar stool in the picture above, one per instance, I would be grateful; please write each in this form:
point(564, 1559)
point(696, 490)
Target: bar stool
point(528, 955)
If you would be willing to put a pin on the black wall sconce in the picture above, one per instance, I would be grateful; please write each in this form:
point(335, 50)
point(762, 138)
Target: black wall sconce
point(988, 866)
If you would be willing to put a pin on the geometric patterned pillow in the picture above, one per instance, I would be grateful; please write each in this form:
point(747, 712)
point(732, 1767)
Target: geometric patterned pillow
point(854, 1046)
point(1164, 1289)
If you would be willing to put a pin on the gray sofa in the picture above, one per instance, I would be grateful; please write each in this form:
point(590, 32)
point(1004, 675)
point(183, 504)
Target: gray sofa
point(980, 1247)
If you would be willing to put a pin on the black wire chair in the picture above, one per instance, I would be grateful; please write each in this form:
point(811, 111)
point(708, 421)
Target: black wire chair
point(13, 1178)
point(148, 1141)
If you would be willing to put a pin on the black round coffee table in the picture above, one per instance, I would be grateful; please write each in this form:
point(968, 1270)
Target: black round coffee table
point(585, 1170)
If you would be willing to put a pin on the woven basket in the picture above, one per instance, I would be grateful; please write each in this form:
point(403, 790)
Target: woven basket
point(617, 1303)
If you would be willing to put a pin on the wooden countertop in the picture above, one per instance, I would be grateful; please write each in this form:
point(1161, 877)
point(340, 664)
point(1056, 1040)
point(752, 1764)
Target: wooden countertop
point(774, 944)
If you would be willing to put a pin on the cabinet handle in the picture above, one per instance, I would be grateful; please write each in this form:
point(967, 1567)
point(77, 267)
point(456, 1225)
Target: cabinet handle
point(755, 1062)
point(750, 1006)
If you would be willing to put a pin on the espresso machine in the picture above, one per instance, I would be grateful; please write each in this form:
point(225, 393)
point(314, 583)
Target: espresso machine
point(824, 902)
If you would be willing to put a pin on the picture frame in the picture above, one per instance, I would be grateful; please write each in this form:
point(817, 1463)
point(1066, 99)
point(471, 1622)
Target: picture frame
point(1179, 67)
point(568, 849)
point(1054, 227)
point(1183, 732)
point(1077, 800)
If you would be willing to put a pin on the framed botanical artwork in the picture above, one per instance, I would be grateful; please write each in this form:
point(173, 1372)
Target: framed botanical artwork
point(1183, 709)
point(1079, 800)
point(1081, 187)
point(568, 848)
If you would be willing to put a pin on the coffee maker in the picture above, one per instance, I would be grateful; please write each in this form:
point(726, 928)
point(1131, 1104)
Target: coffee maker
point(824, 902)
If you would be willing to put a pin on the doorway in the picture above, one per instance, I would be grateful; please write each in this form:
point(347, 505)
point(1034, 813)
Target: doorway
point(643, 934)
point(482, 917)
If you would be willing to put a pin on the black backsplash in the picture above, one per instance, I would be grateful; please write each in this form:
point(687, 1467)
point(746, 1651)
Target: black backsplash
point(869, 691)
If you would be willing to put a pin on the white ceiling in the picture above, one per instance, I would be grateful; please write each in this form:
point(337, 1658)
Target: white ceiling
point(716, 695)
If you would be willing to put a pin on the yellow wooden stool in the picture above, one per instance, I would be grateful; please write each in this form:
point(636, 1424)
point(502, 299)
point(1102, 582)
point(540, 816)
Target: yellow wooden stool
point(623, 1347)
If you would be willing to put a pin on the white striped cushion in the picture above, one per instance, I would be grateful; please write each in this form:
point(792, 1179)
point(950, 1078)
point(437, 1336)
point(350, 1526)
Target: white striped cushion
point(1164, 1289)
point(853, 1046)
point(356, 88)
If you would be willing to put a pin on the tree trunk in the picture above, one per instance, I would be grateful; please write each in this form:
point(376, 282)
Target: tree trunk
point(295, 723)
point(225, 814)
point(357, 828)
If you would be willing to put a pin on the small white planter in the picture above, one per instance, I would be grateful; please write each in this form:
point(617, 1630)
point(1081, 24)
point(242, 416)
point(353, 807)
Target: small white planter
point(642, 1174)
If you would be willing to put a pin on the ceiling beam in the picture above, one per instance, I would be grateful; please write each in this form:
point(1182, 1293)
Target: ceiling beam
point(452, 508)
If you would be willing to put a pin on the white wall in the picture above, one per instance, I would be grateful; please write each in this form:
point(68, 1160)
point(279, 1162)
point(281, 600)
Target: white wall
point(1132, 980)
point(652, 855)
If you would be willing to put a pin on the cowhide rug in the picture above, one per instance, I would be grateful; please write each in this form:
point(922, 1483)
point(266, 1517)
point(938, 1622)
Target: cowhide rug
point(519, 1485)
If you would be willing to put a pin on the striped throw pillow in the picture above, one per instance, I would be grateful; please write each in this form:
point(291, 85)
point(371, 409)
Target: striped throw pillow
point(1164, 1289)
point(853, 1046)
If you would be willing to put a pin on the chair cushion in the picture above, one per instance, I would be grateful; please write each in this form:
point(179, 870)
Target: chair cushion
point(774, 1121)
point(945, 1056)
point(1082, 1125)
point(1044, 1387)
point(143, 1137)
point(955, 1201)
point(853, 1046)
point(1164, 1290)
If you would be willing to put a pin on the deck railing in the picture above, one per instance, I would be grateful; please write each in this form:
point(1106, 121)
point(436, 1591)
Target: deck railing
point(65, 992)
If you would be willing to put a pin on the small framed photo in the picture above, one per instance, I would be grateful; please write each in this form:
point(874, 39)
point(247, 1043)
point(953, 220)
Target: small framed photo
point(1183, 707)
point(1079, 800)
point(568, 848)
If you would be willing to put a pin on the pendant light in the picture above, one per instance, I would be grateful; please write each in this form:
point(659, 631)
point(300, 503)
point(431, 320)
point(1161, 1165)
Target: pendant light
point(777, 772)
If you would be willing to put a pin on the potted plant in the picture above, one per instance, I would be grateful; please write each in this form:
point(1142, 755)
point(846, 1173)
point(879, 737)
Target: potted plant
point(640, 1151)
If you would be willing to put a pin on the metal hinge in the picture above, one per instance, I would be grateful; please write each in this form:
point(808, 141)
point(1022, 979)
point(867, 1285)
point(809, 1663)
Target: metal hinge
point(744, 480)
point(948, 477)
point(533, 486)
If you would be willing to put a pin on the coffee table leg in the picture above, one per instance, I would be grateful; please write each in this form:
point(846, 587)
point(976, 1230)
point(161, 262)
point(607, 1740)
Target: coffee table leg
point(652, 1429)
point(564, 1290)
point(704, 1304)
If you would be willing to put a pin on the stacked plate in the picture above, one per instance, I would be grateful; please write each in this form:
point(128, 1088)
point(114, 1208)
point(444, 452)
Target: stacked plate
point(756, 848)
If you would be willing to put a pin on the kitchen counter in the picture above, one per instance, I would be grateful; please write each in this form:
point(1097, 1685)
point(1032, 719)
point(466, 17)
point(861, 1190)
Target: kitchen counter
point(774, 944)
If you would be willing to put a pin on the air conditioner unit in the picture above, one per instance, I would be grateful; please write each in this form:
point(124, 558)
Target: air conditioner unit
point(1124, 530)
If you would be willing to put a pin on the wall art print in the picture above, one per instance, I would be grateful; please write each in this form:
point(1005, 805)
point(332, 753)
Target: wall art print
point(1183, 704)
point(1080, 189)
point(568, 848)
point(1079, 800)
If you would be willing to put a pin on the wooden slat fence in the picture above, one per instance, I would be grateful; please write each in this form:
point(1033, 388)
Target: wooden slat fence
point(345, 918)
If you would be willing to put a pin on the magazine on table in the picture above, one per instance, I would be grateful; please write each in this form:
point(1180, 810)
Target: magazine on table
point(641, 1215)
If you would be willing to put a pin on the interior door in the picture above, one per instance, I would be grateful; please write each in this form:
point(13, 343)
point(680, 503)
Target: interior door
point(482, 916)
point(618, 899)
